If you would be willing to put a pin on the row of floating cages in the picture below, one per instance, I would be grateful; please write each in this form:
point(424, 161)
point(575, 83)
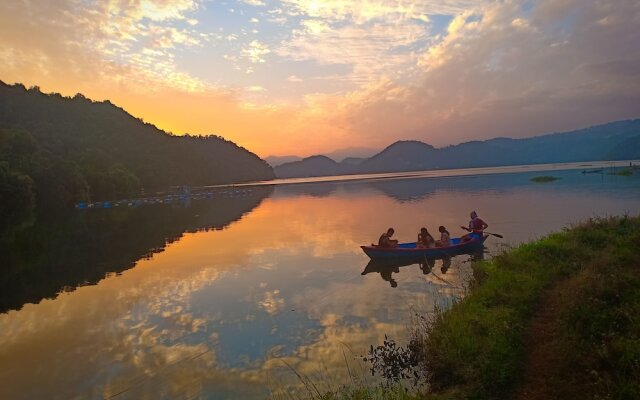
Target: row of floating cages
point(165, 199)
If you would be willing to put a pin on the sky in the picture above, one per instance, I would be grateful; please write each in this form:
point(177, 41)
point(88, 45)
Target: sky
point(304, 77)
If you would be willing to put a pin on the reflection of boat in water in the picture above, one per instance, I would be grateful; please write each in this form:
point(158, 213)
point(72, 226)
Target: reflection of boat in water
point(387, 266)
point(385, 270)
point(410, 252)
point(381, 265)
point(593, 171)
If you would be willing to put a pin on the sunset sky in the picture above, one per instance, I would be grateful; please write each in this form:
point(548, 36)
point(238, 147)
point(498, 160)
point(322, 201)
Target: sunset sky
point(306, 77)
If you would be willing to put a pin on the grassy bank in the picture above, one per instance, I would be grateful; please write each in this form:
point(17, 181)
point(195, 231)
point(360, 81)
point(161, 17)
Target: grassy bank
point(558, 318)
point(590, 275)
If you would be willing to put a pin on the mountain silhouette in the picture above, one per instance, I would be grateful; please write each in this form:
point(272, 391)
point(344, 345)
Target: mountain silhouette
point(618, 140)
point(310, 166)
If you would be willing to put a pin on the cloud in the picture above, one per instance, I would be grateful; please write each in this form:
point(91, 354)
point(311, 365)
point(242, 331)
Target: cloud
point(272, 303)
point(256, 51)
point(368, 49)
point(361, 12)
point(500, 72)
point(155, 10)
point(120, 41)
point(347, 72)
point(373, 38)
point(255, 89)
point(257, 3)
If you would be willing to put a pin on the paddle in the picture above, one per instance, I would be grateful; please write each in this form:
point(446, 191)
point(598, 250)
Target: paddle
point(488, 233)
point(494, 234)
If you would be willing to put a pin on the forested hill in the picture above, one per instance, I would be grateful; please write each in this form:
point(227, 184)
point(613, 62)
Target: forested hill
point(56, 150)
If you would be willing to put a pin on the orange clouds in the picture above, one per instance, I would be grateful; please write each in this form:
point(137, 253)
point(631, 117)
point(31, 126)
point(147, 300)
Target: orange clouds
point(508, 68)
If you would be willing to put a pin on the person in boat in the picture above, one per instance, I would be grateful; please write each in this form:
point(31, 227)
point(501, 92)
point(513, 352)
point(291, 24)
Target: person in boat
point(425, 240)
point(385, 239)
point(476, 227)
point(445, 237)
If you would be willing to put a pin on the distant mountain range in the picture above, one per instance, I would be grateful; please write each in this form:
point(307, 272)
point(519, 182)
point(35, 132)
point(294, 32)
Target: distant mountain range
point(274, 161)
point(618, 140)
point(349, 155)
point(341, 155)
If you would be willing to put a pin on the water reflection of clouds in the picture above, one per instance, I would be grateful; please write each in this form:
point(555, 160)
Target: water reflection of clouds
point(272, 303)
point(219, 312)
point(212, 293)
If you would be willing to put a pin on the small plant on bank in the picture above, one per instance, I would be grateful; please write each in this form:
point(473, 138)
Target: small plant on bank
point(623, 172)
point(397, 363)
point(544, 178)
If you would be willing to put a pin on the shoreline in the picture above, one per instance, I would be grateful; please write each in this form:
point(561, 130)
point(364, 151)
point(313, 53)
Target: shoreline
point(540, 311)
point(436, 173)
point(553, 318)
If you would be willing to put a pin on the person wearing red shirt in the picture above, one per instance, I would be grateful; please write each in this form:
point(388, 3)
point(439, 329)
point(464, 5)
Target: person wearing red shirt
point(476, 227)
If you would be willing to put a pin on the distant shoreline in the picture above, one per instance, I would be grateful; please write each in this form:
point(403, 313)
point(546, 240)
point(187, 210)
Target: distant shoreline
point(443, 173)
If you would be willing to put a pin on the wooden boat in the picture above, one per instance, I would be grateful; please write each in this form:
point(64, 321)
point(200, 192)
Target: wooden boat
point(410, 251)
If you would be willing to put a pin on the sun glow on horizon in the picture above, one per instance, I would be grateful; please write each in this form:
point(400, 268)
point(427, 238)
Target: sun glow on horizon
point(307, 76)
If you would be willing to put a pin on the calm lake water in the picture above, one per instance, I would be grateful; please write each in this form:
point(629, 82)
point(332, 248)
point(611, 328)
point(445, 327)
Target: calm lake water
point(224, 298)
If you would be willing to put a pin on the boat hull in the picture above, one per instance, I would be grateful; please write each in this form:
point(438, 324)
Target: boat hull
point(409, 251)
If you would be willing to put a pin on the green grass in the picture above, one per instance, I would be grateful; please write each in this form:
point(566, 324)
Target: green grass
point(478, 347)
point(600, 331)
point(544, 178)
point(622, 172)
point(354, 391)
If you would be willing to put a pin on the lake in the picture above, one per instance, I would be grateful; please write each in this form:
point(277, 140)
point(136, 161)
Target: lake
point(231, 297)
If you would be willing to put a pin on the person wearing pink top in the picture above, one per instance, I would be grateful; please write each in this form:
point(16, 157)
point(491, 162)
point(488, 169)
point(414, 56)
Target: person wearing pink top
point(476, 227)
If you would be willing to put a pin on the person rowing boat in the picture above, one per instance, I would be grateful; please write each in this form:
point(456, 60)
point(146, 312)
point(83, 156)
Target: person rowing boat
point(476, 227)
